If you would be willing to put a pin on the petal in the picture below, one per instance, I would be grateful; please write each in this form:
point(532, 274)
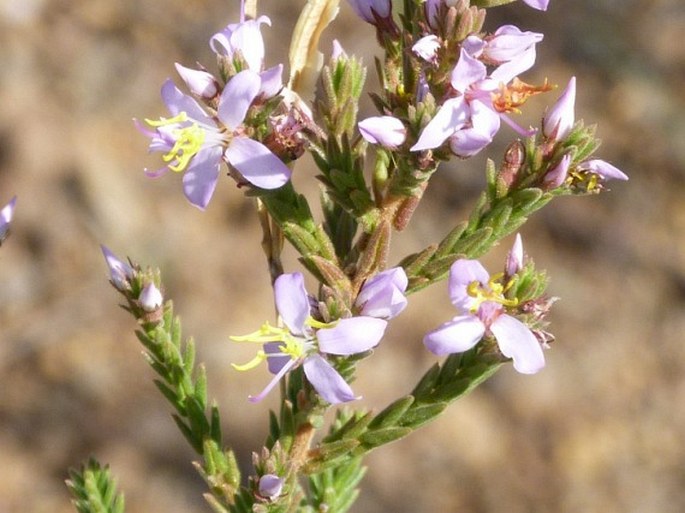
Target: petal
point(325, 379)
point(270, 486)
point(292, 301)
point(540, 5)
point(558, 121)
point(261, 395)
point(199, 82)
point(257, 164)
point(514, 261)
point(603, 169)
point(384, 130)
point(119, 271)
point(201, 176)
point(247, 38)
point(275, 358)
point(351, 336)
point(462, 273)
point(468, 71)
point(517, 342)
point(507, 71)
point(178, 102)
point(451, 117)
point(237, 97)
point(456, 336)
point(272, 81)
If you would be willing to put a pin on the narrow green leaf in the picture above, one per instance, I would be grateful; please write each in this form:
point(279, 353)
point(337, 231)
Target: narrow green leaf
point(390, 415)
point(378, 437)
point(419, 415)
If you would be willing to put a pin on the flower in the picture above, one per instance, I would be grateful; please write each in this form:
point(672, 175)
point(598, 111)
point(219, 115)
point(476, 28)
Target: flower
point(244, 40)
point(120, 273)
point(384, 130)
point(150, 298)
point(427, 48)
point(305, 341)
point(6, 215)
point(270, 486)
point(558, 121)
point(602, 169)
point(371, 10)
point(540, 5)
point(382, 296)
point(481, 301)
point(195, 142)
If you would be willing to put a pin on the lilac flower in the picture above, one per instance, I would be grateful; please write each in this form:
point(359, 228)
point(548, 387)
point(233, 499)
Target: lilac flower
point(382, 296)
point(557, 176)
point(150, 298)
point(199, 82)
point(6, 215)
point(371, 10)
point(242, 39)
point(558, 121)
point(482, 305)
point(512, 50)
point(119, 271)
point(540, 5)
point(384, 130)
point(195, 142)
point(602, 169)
point(304, 341)
point(427, 48)
point(270, 486)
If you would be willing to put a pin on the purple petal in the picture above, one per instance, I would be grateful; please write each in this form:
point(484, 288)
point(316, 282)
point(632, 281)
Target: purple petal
point(514, 262)
point(382, 296)
point(509, 43)
point(272, 81)
point(468, 71)
point(603, 169)
point(427, 47)
point(557, 176)
point(150, 298)
point(201, 176)
point(452, 116)
point(7, 212)
point(247, 38)
point(462, 273)
point(506, 71)
point(275, 358)
point(485, 124)
point(119, 271)
point(270, 486)
point(351, 336)
point(384, 130)
point(199, 82)
point(178, 102)
point(517, 342)
point(292, 301)
point(456, 336)
point(237, 97)
point(257, 164)
point(326, 381)
point(261, 395)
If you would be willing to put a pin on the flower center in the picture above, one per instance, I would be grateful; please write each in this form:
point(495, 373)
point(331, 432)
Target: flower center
point(187, 140)
point(494, 292)
point(510, 97)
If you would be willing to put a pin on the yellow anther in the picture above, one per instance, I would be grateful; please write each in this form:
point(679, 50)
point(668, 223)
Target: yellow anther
point(318, 324)
point(259, 358)
point(188, 140)
point(266, 333)
point(178, 118)
point(494, 292)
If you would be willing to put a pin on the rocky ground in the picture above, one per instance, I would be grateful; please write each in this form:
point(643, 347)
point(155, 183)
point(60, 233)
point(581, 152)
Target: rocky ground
point(601, 429)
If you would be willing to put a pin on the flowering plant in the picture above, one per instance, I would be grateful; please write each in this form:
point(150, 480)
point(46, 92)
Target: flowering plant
point(447, 86)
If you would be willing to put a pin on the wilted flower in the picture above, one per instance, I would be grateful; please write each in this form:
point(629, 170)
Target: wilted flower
point(384, 130)
point(6, 215)
point(427, 47)
point(150, 298)
point(119, 271)
point(305, 341)
point(558, 121)
point(382, 295)
point(195, 142)
point(481, 301)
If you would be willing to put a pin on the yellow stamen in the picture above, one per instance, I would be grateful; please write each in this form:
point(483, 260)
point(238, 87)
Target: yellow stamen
point(511, 97)
point(261, 356)
point(188, 141)
point(494, 292)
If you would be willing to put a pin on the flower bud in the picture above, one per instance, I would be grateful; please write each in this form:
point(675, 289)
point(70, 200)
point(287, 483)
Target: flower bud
point(150, 298)
point(514, 262)
point(6, 215)
point(270, 486)
point(384, 130)
point(558, 120)
point(371, 10)
point(199, 83)
point(119, 272)
point(382, 296)
point(556, 177)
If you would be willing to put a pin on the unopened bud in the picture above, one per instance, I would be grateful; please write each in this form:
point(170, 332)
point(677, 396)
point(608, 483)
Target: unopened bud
point(119, 272)
point(150, 298)
point(270, 486)
point(6, 215)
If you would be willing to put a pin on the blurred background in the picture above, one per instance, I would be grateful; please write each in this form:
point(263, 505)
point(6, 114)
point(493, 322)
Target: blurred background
point(601, 429)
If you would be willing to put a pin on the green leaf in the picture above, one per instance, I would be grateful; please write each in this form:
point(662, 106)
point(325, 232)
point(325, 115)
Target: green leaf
point(419, 415)
point(378, 437)
point(392, 413)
